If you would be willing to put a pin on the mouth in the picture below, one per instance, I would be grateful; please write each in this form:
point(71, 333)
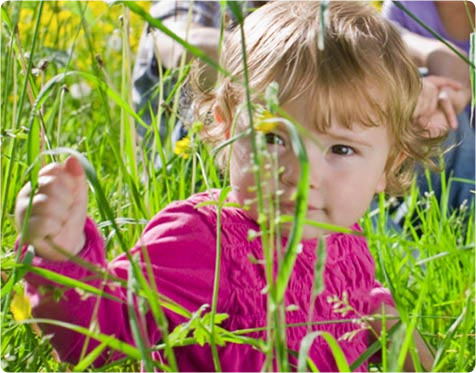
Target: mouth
point(291, 207)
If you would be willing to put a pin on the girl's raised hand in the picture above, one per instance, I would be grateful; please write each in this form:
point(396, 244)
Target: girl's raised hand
point(58, 212)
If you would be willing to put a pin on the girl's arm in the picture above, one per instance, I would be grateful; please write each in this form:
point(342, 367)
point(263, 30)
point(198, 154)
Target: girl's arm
point(54, 301)
point(67, 243)
point(177, 243)
point(426, 357)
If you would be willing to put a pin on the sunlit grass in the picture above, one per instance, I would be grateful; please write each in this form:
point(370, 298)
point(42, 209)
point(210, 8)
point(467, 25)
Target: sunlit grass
point(59, 47)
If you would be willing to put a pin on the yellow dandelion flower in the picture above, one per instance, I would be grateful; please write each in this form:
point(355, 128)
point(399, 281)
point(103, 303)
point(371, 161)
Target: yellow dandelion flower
point(182, 148)
point(377, 4)
point(265, 121)
point(20, 307)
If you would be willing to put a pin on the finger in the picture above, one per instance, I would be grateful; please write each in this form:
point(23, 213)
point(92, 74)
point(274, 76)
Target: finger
point(24, 192)
point(437, 124)
point(45, 205)
point(433, 102)
point(422, 121)
point(427, 100)
point(73, 167)
point(62, 186)
point(426, 106)
point(447, 107)
point(76, 172)
point(442, 81)
point(54, 195)
point(21, 205)
point(51, 169)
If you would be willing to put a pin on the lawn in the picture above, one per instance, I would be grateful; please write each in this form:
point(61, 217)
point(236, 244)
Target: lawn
point(66, 88)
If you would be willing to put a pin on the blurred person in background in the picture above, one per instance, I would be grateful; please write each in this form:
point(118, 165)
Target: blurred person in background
point(446, 95)
point(200, 23)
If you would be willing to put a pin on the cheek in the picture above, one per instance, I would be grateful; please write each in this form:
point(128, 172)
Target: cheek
point(241, 175)
point(239, 158)
point(350, 200)
point(242, 168)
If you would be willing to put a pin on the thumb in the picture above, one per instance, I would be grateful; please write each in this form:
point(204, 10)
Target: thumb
point(74, 167)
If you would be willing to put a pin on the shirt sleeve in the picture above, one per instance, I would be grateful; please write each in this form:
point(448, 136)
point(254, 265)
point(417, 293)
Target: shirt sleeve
point(379, 296)
point(393, 13)
point(174, 249)
point(52, 301)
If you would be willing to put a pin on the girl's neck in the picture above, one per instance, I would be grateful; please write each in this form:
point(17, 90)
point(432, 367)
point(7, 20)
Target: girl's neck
point(454, 18)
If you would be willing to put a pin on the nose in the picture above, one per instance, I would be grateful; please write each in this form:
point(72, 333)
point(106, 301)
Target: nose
point(317, 165)
point(290, 172)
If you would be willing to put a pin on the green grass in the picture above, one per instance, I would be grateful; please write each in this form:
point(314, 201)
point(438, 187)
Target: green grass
point(429, 267)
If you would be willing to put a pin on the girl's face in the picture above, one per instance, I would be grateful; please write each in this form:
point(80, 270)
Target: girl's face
point(346, 170)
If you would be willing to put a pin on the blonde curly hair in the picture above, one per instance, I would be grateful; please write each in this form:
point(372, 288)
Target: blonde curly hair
point(363, 74)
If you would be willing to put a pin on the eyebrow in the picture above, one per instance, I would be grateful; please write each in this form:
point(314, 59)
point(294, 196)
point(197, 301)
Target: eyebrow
point(348, 139)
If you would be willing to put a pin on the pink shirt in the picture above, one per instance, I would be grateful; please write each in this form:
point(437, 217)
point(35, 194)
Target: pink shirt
point(181, 244)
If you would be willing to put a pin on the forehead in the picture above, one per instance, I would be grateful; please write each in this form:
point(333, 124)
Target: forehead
point(364, 97)
point(337, 114)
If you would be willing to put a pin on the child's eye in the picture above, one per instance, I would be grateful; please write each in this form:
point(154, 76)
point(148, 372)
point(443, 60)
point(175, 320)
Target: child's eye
point(342, 150)
point(274, 139)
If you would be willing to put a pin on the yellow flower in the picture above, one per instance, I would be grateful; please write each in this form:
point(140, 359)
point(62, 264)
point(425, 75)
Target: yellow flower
point(182, 148)
point(265, 121)
point(377, 4)
point(20, 307)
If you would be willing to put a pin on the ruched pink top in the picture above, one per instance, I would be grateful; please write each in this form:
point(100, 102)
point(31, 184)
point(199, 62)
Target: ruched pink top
point(181, 244)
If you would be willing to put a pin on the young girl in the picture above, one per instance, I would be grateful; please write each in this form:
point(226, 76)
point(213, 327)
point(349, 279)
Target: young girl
point(354, 98)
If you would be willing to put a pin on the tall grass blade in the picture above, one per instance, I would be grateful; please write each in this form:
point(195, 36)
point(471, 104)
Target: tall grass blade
point(105, 339)
point(140, 338)
point(337, 353)
point(292, 245)
point(433, 32)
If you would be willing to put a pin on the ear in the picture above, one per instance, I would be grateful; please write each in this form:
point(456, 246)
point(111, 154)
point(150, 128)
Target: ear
point(218, 113)
point(221, 118)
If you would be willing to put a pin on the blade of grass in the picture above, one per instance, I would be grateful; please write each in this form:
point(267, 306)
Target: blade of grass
point(433, 32)
point(105, 339)
point(337, 353)
point(140, 339)
point(292, 245)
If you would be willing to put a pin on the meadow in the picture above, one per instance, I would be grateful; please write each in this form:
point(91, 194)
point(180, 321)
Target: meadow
point(66, 89)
